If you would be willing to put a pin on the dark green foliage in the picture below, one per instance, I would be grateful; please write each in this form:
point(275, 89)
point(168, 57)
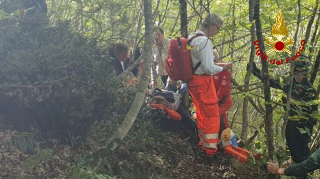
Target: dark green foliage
point(56, 79)
point(42, 156)
point(25, 142)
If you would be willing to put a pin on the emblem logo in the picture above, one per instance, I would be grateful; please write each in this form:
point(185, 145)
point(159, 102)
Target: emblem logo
point(279, 30)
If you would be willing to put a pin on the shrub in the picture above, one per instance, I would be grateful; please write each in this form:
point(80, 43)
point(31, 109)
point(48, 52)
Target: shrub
point(56, 79)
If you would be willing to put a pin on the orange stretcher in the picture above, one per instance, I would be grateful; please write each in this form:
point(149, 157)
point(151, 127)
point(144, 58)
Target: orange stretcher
point(231, 146)
point(172, 114)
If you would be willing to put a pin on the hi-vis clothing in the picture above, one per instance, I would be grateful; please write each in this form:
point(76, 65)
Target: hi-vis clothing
point(302, 106)
point(223, 89)
point(203, 93)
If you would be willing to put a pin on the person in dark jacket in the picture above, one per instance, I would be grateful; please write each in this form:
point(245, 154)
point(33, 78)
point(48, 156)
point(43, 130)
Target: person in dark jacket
point(302, 107)
point(119, 55)
point(301, 169)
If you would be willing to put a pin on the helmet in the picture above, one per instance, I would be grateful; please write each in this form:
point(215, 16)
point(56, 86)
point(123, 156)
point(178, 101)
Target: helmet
point(302, 64)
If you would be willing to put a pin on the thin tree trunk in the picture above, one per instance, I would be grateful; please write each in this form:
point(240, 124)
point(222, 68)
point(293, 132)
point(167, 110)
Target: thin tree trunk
point(310, 23)
point(315, 141)
point(136, 44)
point(234, 116)
point(175, 24)
point(165, 12)
point(224, 37)
point(230, 40)
point(244, 45)
point(245, 122)
point(266, 85)
point(315, 30)
point(184, 18)
point(234, 29)
point(124, 128)
point(291, 74)
point(315, 69)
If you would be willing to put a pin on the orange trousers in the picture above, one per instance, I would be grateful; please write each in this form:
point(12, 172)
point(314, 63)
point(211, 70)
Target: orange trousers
point(204, 99)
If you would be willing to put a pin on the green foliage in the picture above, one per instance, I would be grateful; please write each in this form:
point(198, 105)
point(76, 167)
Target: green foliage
point(5, 16)
point(25, 142)
point(85, 173)
point(57, 78)
point(42, 156)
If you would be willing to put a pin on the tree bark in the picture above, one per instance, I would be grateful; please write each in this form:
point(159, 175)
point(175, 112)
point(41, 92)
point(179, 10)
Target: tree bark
point(184, 18)
point(141, 86)
point(310, 23)
point(315, 69)
point(291, 74)
point(266, 85)
point(245, 122)
point(315, 30)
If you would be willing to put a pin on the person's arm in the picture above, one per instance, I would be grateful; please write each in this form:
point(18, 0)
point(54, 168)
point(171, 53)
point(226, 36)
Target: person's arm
point(299, 169)
point(221, 64)
point(274, 83)
point(207, 58)
point(307, 166)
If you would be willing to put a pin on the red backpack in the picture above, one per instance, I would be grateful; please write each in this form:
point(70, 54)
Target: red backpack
point(179, 63)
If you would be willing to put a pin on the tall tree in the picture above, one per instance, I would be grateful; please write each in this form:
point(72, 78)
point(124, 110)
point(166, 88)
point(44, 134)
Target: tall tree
point(244, 132)
point(291, 72)
point(184, 18)
point(311, 22)
point(142, 85)
point(266, 84)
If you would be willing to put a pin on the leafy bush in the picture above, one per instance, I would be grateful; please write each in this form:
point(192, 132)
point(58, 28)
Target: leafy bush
point(56, 79)
point(42, 156)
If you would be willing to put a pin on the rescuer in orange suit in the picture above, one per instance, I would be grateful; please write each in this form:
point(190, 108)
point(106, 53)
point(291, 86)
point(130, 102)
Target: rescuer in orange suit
point(201, 86)
point(223, 90)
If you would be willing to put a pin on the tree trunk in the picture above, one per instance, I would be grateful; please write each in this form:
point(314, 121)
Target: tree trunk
point(315, 30)
point(244, 131)
point(266, 85)
point(234, 29)
point(312, 42)
point(291, 74)
point(136, 44)
point(315, 69)
point(141, 86)
point(184, 18)
point(310, 23)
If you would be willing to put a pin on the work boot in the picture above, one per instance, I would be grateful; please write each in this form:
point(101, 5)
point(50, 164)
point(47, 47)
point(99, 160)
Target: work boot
point(218, 156)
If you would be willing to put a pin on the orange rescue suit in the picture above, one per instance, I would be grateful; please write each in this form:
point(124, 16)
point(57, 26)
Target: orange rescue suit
point(203, 94)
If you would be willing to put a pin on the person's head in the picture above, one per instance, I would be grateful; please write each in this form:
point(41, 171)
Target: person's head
point(121, 51)
point(212, 24)
point(300, 69)
point(159, 35)
point(159, 100)
point(216, 56)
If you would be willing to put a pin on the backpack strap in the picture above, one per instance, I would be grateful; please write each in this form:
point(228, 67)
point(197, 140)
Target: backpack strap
point(197, 35)
point(196, 67)
point(199, 63)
